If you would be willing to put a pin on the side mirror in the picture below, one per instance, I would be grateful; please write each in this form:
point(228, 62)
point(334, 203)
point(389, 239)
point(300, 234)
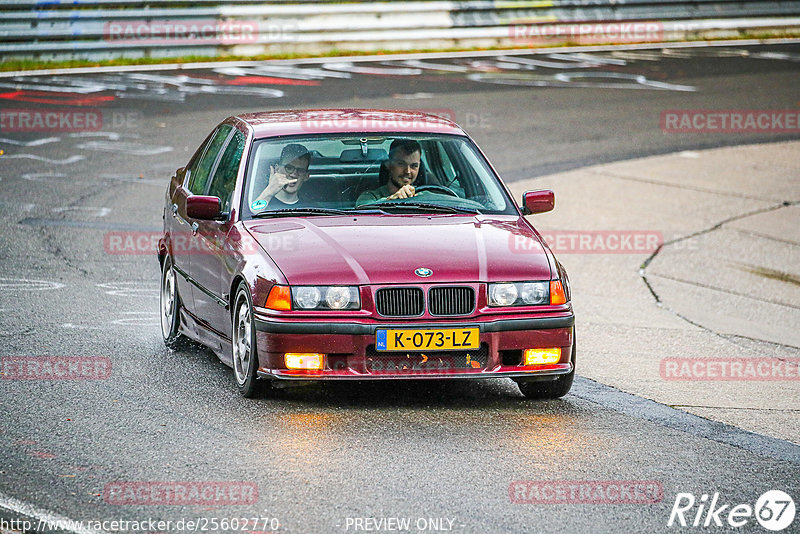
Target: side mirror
point(540, 201)
point(202, 207)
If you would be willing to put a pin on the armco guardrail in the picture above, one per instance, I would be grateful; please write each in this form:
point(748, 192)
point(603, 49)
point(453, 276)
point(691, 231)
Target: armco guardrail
point(104, 29)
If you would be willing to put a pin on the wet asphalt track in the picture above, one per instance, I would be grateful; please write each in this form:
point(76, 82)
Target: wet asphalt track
point(322, 455)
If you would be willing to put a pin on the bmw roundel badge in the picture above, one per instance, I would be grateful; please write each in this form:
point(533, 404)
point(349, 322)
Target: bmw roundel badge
point(424, 272)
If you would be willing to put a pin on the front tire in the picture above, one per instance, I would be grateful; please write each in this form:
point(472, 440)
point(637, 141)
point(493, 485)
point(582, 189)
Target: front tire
point(245, 353)
point(555, 389)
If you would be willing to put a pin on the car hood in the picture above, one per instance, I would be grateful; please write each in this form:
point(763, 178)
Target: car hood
point(359, 250)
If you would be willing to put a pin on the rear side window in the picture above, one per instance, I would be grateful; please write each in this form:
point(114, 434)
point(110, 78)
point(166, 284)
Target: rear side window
point(199, 173)
point(228, 167)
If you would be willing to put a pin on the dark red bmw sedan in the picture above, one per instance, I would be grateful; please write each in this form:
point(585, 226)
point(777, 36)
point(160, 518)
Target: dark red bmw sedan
point(360, 245)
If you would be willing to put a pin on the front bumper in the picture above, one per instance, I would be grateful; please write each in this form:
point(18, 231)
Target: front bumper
point(349, 344)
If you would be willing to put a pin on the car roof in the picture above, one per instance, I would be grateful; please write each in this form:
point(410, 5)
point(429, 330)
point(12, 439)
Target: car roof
point(328, 121)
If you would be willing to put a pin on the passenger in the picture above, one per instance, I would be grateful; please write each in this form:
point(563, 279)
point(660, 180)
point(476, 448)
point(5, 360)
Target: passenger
point(286, 179)
point(399, 173)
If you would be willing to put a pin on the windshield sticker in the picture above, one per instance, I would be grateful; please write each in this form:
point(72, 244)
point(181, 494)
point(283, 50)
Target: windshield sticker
point(258, 205)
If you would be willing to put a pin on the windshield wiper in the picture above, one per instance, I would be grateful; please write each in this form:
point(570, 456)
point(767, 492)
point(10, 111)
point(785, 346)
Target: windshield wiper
point(421, 206)
point(291, 212)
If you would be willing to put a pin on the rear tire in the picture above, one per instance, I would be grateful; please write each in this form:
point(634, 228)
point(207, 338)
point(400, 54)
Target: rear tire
point(170, 306)
point(555, 389)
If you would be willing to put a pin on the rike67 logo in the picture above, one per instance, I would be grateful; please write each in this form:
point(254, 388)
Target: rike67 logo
point(774, 510)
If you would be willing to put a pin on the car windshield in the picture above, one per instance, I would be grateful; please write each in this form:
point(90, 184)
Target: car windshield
point(328, 175)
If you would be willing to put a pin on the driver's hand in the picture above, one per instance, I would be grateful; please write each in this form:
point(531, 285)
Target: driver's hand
point(407, 191)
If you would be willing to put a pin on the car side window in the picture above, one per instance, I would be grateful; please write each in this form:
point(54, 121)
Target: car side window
point(198, 179)
point(224, 179)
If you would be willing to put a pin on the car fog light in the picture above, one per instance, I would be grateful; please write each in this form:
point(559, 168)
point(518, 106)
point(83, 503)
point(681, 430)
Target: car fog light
point(304, 360)
point(542, 356)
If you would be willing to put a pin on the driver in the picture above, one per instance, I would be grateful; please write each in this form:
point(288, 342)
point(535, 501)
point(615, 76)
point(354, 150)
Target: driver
point(399, 172)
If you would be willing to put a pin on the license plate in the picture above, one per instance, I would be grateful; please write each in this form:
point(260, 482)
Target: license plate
point(428, 339)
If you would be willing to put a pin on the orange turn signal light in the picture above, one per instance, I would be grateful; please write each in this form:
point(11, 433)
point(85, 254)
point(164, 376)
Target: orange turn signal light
point(304, 360)
point(280, 298)
point(557, 295)
point(541, 356)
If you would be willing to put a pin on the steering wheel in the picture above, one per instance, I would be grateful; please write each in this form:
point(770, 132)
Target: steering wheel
point(436, 188)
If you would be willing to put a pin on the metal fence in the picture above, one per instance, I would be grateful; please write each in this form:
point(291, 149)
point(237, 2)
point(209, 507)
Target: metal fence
point(105, 29)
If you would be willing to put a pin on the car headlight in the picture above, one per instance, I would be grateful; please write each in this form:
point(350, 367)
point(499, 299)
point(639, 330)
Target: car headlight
point(533, 293)
point(503, 294)
point(326, 297)
point(307, 297)
point(519, 293)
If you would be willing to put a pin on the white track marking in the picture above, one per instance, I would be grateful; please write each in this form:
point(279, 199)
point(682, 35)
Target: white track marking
point(580, 79)
point(345, 66)
point(783, 56)
point(43, 176)
point(135, 180)
point(67, 161)
point(139, 319)
point(638, 78)
point(94, 212)
point(111, 136)
point(128, 289)
point(25, 284)
point(426, 65)
point(399, 57)
point(35, 142)
point(688, 54)
point(263, 92)
point(638, 55)
point(290, 72)
point(602, 60)
point(43, 516)
point(81, 327)
point(135, 149)
point(24, 84)
point(413, 96)
point(568, 64)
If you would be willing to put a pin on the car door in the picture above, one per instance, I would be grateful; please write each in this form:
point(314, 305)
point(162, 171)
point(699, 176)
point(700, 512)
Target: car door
point(185, 242)
point(178, 227)
point(212, 265)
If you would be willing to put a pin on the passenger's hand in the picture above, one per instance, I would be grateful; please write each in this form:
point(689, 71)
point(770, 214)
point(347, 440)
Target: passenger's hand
point(277, 181)
point(407, 191)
